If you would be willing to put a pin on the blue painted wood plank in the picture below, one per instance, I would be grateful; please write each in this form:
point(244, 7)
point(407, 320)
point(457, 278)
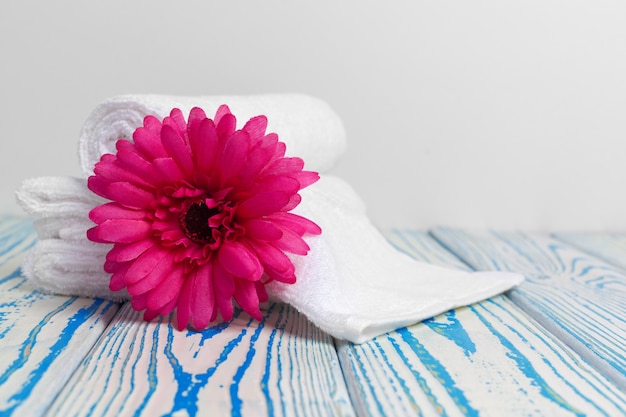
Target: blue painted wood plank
point(577, 297)
point(610, 247)
point(281, 366)
point(43, 337)
point(487, 359)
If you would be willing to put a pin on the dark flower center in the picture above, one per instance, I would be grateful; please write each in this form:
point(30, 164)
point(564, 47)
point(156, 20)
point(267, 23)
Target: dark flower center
point(194, 222)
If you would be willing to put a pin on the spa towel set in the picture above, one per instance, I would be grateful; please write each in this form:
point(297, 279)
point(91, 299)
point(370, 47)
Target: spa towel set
point(350, 282)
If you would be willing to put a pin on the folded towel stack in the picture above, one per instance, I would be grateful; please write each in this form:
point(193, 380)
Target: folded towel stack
point(352, 284)
point(63, 261)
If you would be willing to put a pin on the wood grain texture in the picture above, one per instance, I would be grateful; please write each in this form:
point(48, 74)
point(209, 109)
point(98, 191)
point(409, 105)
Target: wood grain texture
point(488, 359)
point(610, 247)
point(43, 337)
point(58, 357)
point(281, 366)
point(577, 297)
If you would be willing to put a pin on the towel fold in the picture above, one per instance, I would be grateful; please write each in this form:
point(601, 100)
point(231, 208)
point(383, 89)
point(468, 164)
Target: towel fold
point(70, 267)
point(47, 197)
point(352, 284)
point(308, 126)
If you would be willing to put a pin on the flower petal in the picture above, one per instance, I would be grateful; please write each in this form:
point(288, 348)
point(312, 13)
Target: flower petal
point(225, 126)
point(269, 142)
point(111, 267)
point(234, 155)
point(204, 145)
point(120, 231)
point(108, 211)
point(288, 277)
point(117, 281)
point(277, 265)
point(291, 242)
point(255, 127)
point(169, 307)
point(203, 298)
point(176, 120)
point(148, 141)
point(152, 124)
point(176, 147)
point(99, 185)
point(275, 148)
point(284, 166)
point(168, 169)
point(306, 178)
point(261, 229)
point(139, 302)
point(240, 261)
point(246, 295)
point(114, 171)
point(124, 252)
point(145, 264)
point(154, 278)
point(293, 202)
point(167, 290)
point(183, 308)
point(129, 195)
point(224, 290)
point(141, 167)
point(276, 183)
point(296, 223)
point(257, 159)
point(196, 116)
point(222, 111)
point(263, 204)
point(150, 315)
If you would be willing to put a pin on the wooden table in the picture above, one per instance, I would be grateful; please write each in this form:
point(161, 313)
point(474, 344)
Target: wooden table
point(555, 346)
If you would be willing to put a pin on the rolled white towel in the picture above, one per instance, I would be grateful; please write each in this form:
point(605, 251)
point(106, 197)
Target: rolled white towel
point(308, 126)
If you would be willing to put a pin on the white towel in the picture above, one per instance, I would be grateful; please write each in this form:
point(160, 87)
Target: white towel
point(352, 284)
point(308, 126)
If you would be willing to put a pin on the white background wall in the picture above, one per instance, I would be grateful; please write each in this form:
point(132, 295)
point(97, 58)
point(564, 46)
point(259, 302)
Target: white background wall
point(471, 113)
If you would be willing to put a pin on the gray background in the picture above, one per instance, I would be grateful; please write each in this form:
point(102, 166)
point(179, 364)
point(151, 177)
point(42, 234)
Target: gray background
point(475, 114)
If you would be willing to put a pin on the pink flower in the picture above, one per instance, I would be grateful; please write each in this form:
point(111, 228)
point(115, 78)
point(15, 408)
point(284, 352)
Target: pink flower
point(200, 215)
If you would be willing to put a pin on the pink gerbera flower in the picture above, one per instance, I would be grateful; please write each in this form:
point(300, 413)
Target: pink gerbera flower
point(200, 215)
